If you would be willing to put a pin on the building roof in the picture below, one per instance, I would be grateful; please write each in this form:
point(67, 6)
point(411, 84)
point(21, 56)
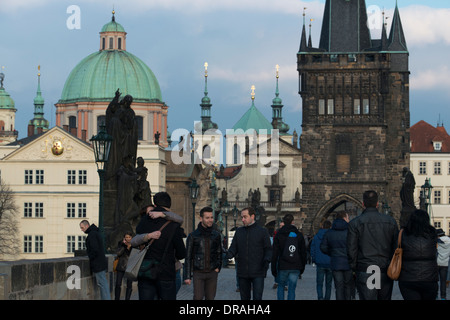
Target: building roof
point(253, 119)
point(423, 135)
point(6, 102)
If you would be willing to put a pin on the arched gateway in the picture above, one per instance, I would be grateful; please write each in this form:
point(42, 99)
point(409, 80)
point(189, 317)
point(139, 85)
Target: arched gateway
point(342, 202)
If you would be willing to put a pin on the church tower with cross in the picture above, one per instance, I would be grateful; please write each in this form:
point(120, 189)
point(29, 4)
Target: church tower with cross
point(355, 103)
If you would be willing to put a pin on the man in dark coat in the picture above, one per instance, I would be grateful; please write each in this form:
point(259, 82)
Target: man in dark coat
point(288, 257)
point(334, 244)
point(251, 246)
point(97, 259)
point(204, 257)
point(371, 242)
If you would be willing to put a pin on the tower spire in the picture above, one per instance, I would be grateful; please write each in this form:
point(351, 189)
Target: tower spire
point(397, 41)
point(277, 108)
point(39, 123)
point(303, 43)
point(206, 106)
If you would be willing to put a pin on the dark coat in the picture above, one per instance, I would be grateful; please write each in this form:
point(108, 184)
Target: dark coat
point(279, 242)
point(334, 244)
point(173, 234)
point(419, 261)
point(251, 245)
point(371, 240)
point(203, 251)
point(95, 249)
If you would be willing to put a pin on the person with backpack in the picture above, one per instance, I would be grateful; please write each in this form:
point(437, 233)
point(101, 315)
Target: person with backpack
point(288, 257)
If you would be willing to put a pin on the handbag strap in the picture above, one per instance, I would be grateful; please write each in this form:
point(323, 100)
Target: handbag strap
point(164, 225)
point(400, 238)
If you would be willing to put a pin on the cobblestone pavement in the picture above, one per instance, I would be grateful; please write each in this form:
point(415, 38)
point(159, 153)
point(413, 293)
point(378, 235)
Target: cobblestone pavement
point(226, 287)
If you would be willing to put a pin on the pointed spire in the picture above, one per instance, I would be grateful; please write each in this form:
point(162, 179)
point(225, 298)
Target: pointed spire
point(310, 39)
point(113, 17)
point(39, 123)
point(206, 106)
point(277, 108)
point(397, 41)
point(303, 43)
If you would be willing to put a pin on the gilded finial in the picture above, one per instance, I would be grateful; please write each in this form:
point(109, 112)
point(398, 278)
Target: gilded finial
point(39, 70)
point(253, 92)
point(278, 70)
point(206, 69)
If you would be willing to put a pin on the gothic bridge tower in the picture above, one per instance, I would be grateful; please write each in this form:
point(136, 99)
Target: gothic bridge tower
point(355, 126)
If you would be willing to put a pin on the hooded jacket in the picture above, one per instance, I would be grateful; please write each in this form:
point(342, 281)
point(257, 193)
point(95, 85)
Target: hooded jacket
point(334, 244)
point(317, 256)
point(443, 251)
point(95, 249)
point(279, 242)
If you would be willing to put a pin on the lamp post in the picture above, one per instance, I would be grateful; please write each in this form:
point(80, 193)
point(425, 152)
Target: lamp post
point(193, 193)
point(102, 146)
point(426, 193)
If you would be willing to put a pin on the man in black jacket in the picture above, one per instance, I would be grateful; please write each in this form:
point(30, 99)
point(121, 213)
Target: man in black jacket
point(97, 258)
point(251, 246)
point(288, 257)
point(371, 242)
point(203, 257)
point(167, 247)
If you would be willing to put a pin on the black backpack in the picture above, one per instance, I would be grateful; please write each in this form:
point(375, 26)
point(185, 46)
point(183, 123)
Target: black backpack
point(290, 252)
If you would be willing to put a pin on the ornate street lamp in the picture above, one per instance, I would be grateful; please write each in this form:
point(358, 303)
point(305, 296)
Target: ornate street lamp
point(193, 194)
point(426, 193)
point(102, 146)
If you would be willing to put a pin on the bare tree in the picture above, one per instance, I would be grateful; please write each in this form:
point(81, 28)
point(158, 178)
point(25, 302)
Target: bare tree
point(9, 226)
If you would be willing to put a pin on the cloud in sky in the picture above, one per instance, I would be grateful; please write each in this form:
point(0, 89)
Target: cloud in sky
point(432, 79)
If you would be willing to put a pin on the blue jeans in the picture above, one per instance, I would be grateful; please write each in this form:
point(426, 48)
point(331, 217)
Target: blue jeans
point(289, 278)
point(245, 286)
point(103, 285)
point(324, 274)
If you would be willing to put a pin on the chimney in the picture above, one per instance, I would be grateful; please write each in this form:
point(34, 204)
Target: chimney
point(30, 130)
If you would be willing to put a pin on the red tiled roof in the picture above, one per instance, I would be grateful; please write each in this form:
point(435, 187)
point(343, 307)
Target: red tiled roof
point(423, 135)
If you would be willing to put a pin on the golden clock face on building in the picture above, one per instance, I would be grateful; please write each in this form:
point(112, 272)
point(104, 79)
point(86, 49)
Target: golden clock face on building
point(57, 148)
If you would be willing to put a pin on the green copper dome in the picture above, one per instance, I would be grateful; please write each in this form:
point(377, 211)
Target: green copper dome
point(253, 119)
point(99, 75)
point(6, 102)
point(112, 26)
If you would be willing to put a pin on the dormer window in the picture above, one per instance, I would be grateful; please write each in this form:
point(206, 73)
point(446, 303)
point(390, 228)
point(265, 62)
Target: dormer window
point(437, 145)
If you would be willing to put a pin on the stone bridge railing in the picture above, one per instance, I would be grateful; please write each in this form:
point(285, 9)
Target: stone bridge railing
point(51, 279)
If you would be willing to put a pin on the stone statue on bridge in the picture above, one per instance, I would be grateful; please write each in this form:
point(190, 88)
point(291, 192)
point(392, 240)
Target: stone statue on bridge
point(407, 196)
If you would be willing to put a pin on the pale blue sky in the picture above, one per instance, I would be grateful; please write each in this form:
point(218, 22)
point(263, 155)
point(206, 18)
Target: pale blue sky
point(242, 41)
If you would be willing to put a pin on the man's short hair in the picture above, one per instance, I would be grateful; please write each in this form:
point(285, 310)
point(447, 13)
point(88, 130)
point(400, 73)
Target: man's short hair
point(250, 210)
point(370, 199)
point(288, 218)
point(162, 199)
point(205, 209)
point(84, 222)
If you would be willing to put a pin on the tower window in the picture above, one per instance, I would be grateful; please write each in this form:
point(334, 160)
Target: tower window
point(330, 106)
point(103, 43)
point(111, 43)
point(119, 44)
point(322, 106)
point(357, 106)
point(366, 106)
